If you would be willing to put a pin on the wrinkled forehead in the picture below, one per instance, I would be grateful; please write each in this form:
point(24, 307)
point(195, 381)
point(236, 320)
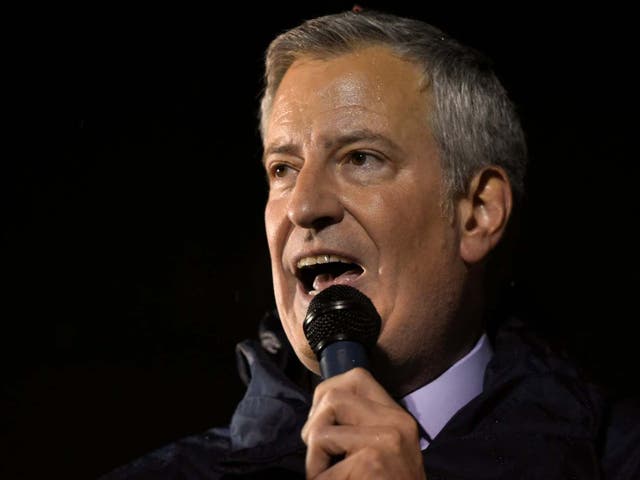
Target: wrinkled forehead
point(369, 85)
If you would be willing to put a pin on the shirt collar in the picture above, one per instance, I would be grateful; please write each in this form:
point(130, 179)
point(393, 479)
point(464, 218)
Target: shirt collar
point(433, 404)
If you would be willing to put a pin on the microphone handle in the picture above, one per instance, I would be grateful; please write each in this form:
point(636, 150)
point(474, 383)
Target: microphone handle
point(340, 356)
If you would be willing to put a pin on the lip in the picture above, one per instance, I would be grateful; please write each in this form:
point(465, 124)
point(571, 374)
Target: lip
point(317, 252)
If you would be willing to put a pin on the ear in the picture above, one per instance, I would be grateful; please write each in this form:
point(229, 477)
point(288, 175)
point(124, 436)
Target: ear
point(483, 213)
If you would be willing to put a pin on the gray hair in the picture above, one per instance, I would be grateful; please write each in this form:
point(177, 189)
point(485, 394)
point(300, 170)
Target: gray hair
point(473, 120)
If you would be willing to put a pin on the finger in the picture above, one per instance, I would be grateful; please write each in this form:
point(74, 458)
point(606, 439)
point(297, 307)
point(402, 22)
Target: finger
point(329, 442)
point(348, 469)
point(358, 381)
point(359, 384)
point(339, 407)
point(371, 464)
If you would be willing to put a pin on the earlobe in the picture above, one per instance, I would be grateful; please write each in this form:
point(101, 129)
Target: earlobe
point(483, 213)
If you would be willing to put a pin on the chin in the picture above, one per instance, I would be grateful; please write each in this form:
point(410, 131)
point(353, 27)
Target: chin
point(310, 362)
point(304, 353)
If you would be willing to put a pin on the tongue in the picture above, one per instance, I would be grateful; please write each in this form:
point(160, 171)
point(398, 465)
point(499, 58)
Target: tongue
point(322, 281)
point(325, 280)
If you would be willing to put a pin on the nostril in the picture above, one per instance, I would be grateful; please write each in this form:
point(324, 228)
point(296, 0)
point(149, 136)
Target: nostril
point(317, 218)
point(322, 223)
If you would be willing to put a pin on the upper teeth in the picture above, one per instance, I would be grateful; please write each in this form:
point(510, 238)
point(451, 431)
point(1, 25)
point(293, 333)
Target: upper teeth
point(308, 261)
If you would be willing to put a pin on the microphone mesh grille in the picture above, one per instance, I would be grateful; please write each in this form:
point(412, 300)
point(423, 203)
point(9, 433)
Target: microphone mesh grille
point(341, 312)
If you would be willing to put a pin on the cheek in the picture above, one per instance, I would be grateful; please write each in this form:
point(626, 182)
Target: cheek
point(419, 259)
point(269, 224)
point(275, 221)
point(295, 335)
point(406, 242)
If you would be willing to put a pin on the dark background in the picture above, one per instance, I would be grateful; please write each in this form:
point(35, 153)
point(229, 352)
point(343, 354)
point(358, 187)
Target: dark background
point(133, 252)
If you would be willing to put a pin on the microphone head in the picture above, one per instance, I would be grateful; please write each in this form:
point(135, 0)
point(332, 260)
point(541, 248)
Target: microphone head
point(341, 312)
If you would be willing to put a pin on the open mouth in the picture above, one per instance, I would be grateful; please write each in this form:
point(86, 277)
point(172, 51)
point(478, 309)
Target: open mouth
point(318, 272)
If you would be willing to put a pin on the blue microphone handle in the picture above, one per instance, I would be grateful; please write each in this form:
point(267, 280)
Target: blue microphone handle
point(341, 356)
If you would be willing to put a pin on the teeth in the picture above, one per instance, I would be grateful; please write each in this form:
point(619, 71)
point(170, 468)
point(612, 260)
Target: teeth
point(319, 259)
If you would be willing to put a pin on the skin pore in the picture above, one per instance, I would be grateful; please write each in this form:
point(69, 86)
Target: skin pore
point(354, 172)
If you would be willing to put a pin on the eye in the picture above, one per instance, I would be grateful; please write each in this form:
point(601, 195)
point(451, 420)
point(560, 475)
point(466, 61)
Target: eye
point(281, 174)
point(365, 166)
point(363, 160)
point(360, 158)
point(279, 170)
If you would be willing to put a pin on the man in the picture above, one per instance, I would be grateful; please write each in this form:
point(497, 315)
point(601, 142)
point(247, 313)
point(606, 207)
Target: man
point(394, 159)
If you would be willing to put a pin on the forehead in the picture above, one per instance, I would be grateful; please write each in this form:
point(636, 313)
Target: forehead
point(365, 88)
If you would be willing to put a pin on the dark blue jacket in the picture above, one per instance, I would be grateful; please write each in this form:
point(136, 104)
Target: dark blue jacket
point(536, 419)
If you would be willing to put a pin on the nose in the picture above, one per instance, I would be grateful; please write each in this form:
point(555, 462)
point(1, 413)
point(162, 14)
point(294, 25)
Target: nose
point(314, 202)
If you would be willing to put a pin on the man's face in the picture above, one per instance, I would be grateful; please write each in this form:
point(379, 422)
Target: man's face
point(355, 198)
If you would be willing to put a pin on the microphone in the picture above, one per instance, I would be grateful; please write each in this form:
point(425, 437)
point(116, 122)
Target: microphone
point(341, 325)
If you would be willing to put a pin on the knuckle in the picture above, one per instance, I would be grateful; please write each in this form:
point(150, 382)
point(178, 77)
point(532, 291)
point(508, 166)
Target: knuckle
point(373, 458)
point(317, 436)
point(318, 393)
point(412, 429)
point(393, 438)
point(359, 374)
point(406, 424)
point(332, 398)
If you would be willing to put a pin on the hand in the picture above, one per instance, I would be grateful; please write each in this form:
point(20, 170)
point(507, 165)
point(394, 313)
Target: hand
point(353, 416)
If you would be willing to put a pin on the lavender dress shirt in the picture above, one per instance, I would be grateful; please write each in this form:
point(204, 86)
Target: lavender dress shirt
point(435, 403)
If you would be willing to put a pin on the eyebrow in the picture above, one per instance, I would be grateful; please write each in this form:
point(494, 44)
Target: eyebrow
point(281, 148)
point(357, 136)
point(341, 140)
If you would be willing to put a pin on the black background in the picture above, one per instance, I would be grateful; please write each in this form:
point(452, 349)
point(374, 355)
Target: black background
point(133, 251)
